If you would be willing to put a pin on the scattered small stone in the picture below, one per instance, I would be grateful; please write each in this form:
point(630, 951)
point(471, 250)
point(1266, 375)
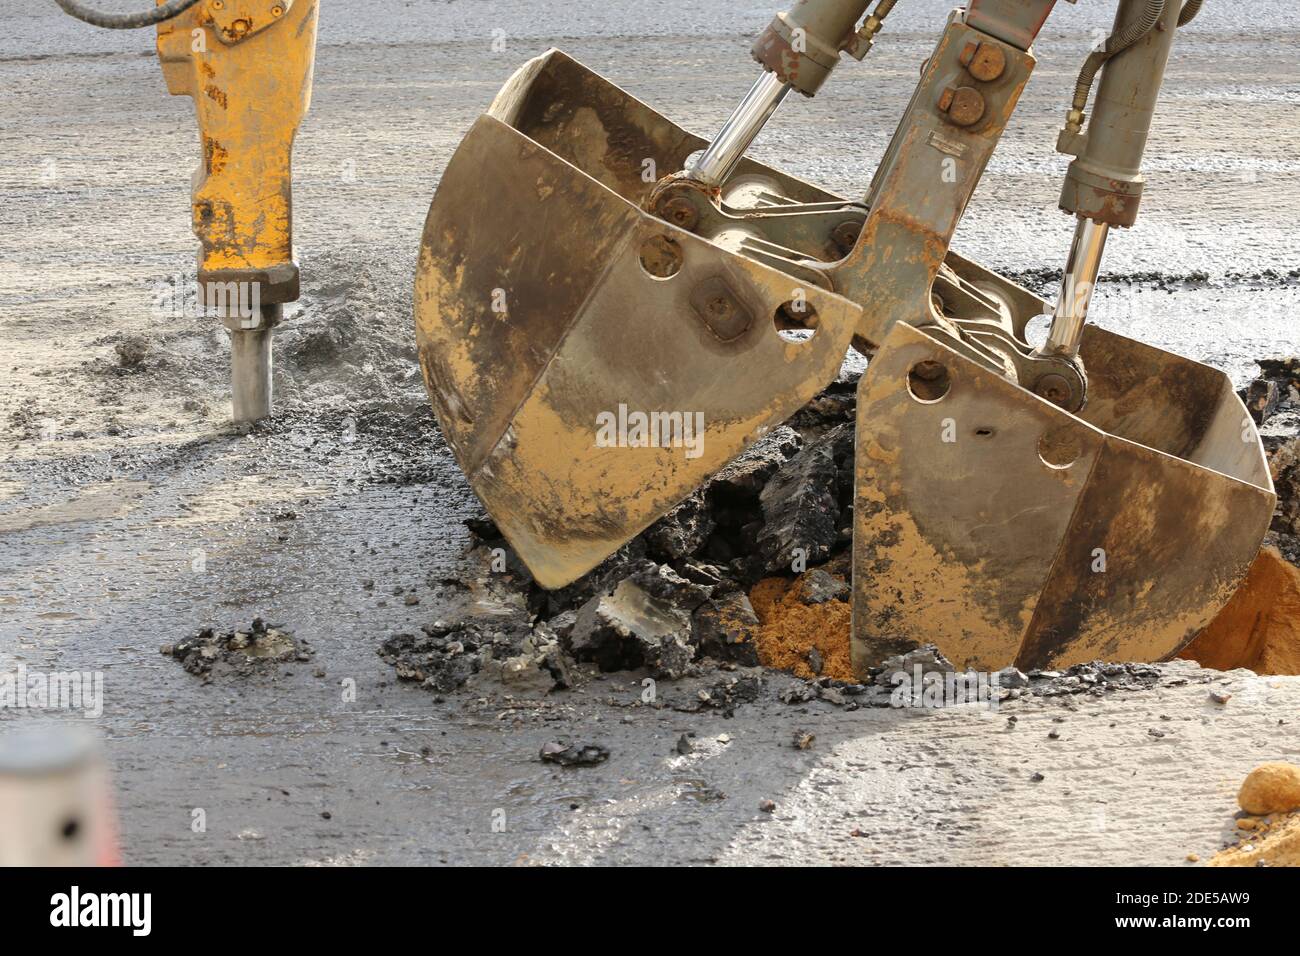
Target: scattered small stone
point(1054, 735)
point(800, 693)
point(819, 587)
point(566, 755)
point(1037, 778)
point(131, 351)
point(411, 600)
point(927, 657)
point(767, 806)
point(803, 740)
point(1152, 732)
point(1220, 697)
point(326, 815)
point(1012, 678)
point(1193, 858)
point(684, 745)
point(726, 693)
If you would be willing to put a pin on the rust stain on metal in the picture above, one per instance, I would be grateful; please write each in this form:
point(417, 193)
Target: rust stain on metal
point(1010, 544)
point(216, 94)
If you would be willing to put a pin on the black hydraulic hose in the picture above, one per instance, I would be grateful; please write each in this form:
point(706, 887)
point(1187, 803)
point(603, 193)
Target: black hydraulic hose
point(125, 21)
point(1117, 43)
point(1190, 9)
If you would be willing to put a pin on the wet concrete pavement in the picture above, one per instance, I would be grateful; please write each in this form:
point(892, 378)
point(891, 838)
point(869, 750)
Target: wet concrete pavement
point(131, 515)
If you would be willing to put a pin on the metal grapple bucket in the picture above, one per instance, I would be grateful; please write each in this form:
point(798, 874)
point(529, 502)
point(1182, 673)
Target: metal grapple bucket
point(1007, 531)
point(590, 364)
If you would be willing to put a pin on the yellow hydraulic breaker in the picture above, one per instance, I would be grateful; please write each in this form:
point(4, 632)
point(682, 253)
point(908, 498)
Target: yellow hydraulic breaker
point(247, 64)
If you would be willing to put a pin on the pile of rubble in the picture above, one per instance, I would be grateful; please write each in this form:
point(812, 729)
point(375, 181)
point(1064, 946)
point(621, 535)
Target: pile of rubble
point(244, 652)
point(750, 570)
point(675, 596)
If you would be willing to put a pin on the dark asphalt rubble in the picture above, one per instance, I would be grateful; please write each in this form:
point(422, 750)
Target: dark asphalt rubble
point(1273, 400)
point(260, 648)
point(1096, 679)
point(573, 755)
point(674, 601)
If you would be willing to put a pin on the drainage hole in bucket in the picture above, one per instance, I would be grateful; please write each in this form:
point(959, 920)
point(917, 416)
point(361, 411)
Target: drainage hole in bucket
point(796, 321)
point(929, 381)
point(661, 257)
point(1060, 448)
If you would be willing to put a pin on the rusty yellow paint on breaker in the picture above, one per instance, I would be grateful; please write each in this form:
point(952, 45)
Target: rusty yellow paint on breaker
point(247, 64)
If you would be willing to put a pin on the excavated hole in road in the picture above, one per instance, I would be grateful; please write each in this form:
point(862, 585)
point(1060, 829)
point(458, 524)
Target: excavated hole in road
point(712, 582)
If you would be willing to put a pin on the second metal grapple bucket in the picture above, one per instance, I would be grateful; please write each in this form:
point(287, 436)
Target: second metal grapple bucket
point(1005, 530)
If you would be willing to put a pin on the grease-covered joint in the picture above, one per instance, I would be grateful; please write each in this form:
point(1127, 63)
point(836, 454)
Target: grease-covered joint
point(679, 199)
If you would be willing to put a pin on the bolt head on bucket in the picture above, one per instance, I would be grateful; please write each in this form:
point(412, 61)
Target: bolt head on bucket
point(591, 364)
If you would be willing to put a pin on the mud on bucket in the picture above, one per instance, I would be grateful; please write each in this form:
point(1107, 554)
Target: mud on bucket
point(548, 304)
point(1007, 531)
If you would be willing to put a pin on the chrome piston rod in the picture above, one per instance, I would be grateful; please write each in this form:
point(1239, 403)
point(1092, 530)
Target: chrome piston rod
point(716, 164)
point(1081, 271)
